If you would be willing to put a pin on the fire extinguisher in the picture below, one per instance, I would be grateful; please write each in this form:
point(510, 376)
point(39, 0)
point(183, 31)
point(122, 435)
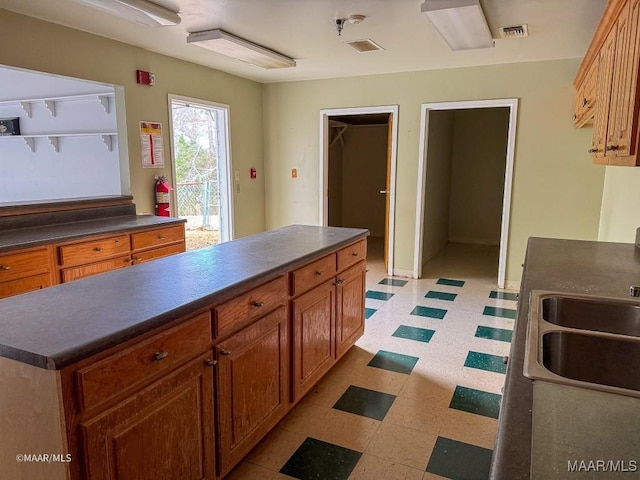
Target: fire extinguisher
point(162, 189)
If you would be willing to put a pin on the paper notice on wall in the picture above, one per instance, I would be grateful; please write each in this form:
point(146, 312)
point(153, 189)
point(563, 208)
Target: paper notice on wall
point(151, 143)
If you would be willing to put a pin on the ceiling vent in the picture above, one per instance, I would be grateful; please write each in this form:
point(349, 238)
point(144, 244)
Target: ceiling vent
point(367, 45)
point(514, 31)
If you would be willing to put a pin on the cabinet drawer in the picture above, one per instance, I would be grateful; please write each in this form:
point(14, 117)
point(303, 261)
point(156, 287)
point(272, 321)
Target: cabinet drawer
point(157, 237)
point(352, 254)
point(106, 378)
point(313, 274)
point(158, 252)
point(239, 312)
point(23, 264)
point(24, 285)
point(94, 250)
point(71, 274)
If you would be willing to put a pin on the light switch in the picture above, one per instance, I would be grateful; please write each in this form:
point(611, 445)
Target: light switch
point(236, 175)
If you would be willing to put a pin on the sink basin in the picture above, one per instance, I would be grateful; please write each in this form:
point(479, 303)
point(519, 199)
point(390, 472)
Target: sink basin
point(599, 315)
point(584, 341)
point(601, 360)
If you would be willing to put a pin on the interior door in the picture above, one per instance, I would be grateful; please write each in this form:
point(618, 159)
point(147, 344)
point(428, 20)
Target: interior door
point(387, 189)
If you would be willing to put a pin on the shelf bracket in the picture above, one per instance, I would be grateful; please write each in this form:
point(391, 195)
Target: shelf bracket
point(104, 101)
point(26, 106)
point(51, 106)
point(54, 143)
point(30, 142)
point(108, 141)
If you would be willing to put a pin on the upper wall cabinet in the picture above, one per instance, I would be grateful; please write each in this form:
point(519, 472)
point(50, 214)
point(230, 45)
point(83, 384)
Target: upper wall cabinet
point(607, 86)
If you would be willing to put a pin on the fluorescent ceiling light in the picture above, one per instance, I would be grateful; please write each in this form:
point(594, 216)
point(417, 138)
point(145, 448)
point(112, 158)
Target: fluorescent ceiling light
point(460, 22)
point(235, 47)
point(142, 12)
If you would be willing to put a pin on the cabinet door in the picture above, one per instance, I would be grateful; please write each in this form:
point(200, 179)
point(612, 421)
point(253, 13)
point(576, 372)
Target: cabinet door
point(603, 102)
point(252, 386)
point(350, 307)
point(164, 431)
point(74, 273)
point(313, 337)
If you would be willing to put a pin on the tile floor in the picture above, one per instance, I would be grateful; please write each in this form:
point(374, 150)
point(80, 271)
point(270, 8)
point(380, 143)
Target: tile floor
point(418, 396)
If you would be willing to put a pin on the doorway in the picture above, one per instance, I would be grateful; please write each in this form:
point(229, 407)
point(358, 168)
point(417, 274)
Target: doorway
point(201, 166)
point(357, 181)
point(482, 189)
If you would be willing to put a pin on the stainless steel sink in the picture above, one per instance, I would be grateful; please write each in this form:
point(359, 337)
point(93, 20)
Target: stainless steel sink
point(612, 316)
point(584, 341)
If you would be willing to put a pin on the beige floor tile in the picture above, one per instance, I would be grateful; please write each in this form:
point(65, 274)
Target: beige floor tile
point(402, 445)
point(428, 386)
point(469, 428)
point(372, 378)
point(370, 468)
point(419, 415)
point(274, 451)
point(433, 476)
point(304, 418)
point(326, 392)
point(250, 471)
point(347, 430)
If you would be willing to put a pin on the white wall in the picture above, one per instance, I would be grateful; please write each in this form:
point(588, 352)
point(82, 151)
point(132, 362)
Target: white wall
point(620, 216)
point(364, 175)
point(479, 156)
point(83, 166)
point(440, 137)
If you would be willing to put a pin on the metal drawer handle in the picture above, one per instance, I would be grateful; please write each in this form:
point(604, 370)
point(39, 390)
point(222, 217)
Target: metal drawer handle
point(612, 148)
point(160, 237)
point(258, 304)
point(354, 254)
point(160, 355)
point(339, 281)
point(592, 150)
point(98, 249)
point(210, 363)
point(5, 267)
point(225, 352)
point(318, 273)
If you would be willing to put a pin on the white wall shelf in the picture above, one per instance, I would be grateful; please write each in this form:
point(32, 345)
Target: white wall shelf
point(51, 102)
point(29, 140)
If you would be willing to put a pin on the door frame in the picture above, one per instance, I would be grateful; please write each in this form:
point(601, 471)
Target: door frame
point(323, 202)
point(228, 185)
point(512, 104)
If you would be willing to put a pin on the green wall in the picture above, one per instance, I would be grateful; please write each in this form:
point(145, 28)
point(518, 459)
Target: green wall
point(620, 215)
point(556, 191)
point(51, 48)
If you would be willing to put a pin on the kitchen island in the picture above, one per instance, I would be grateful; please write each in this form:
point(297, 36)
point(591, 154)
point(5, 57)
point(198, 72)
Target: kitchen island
point(570, 266)
point(136, 359)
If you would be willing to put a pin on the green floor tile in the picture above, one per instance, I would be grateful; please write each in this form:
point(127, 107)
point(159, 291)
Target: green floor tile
point(503, 295)
point(315, 459)
point(476, 401)
point(441, 295)
point(365, 402)
point(378, 295)
point(500, 312)
point(395, 362)
point(414, 333)
point(368, 312)
point(494, 333)
point(484, 361)
point(394, 282)
point(450, 282)
point(458, 460)
point(430, 312)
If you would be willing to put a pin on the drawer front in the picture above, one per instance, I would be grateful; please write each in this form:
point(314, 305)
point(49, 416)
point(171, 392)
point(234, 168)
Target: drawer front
point(352, 254)
point(313, 274)
point(239, 312)
point(157, 237)
point(122, 371)
point(158, 253)
point(23, 264)
point(24, 285)
point(71, 274)
point(94, 250)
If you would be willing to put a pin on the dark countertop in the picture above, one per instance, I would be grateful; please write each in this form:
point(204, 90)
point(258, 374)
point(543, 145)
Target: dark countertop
point(571, 266)
point(60, 325)
point(12, 239)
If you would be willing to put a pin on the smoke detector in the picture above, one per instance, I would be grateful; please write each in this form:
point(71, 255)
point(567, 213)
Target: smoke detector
point(356, 19)
point(514, 31)
point(366, 45)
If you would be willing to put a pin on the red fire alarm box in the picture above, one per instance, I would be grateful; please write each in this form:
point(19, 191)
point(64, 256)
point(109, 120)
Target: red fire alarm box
point(145, 78)
point(253, 173)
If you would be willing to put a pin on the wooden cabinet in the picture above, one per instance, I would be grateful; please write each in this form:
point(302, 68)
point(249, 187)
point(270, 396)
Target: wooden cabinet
point(350, 307)
point(252, 386)
point(615, 49)
point(163, 431)
point(585, 104)
point(156, 243)
point(24, 270)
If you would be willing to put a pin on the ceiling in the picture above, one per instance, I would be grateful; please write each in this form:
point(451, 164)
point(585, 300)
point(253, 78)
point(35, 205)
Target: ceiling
point(304, 30)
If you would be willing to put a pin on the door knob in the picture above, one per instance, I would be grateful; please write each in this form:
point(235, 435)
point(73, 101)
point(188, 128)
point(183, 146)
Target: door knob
point(384, 192)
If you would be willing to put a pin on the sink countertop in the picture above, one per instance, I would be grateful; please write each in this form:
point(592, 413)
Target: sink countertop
point(60, 325)
point(570, 266)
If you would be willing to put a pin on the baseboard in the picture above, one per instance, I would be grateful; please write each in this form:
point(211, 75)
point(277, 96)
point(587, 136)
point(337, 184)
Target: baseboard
point(512, 285)
point(402, 273)
point(476, 241)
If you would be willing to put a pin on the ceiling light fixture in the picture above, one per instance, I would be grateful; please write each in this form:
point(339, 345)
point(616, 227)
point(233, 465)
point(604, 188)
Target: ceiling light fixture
point(460, 22)
point(141, 12)
point(235, 47)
